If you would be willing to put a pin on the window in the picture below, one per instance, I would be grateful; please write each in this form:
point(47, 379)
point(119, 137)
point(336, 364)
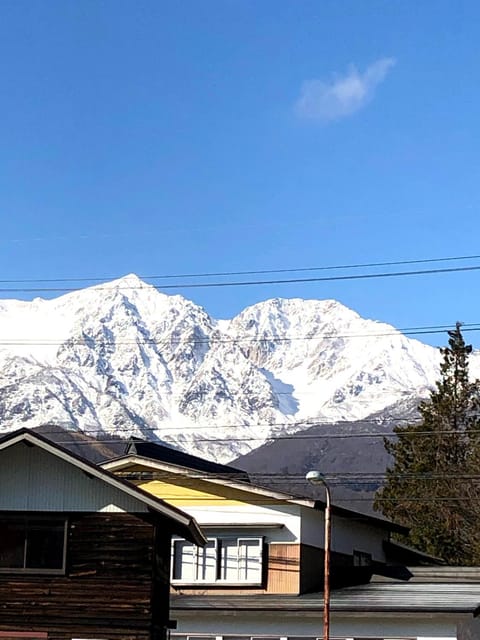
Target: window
point(32, 544)
point(227, 560)
point(362, 559)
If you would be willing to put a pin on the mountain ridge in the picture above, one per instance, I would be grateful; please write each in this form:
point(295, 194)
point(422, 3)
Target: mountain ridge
point(122, 357)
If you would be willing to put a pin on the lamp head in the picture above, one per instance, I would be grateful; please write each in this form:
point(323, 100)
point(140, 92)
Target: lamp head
point(315, 477)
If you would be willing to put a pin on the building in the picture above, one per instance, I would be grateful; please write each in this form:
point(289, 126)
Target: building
point(258, 540)
point(440, 603)
point(83, 554)
point(260, 575)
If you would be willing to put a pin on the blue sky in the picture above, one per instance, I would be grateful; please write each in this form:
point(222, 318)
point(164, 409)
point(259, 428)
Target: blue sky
point(184, 137)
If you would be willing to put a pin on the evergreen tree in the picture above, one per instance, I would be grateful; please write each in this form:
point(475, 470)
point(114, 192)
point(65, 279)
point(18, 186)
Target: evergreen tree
point(430, 486)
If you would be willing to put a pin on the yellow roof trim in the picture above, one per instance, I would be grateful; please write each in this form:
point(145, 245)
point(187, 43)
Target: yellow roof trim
point(125, 462)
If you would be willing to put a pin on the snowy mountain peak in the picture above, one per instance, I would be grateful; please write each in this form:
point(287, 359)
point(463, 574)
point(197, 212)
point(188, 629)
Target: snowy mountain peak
point(122, 357)
point(281, 307)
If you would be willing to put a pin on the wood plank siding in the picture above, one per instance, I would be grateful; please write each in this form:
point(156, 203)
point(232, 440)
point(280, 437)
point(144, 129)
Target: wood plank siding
point(283, 568)
point(116, 566)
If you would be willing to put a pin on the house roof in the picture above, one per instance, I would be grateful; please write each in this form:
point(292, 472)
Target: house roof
point(438, 589)
point(429, 574)
point(447, 597)
point(185, 524)
point(158, 466)
point(406, 554)
point(164, 453)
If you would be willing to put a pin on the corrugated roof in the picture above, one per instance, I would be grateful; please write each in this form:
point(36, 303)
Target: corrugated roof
point(402, 597)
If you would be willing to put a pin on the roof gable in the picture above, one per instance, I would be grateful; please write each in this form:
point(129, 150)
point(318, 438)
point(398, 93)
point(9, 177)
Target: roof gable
point(33, 479)
point(29, 468)
point(143, 469)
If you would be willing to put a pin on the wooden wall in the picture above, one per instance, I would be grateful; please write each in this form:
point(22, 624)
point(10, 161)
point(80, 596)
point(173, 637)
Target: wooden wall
point(113, 574)
point(283, 568)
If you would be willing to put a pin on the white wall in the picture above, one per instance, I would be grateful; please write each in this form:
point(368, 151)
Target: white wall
point(300, 524)
point(31, 479)
point(288, 515)
point(348, 534)
point(438, 627)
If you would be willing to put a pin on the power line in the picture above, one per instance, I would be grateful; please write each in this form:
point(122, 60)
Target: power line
point(298, 424)
point(253, 272)
point(339, 478)
point(335, 477)
point(273, 438)
point(244, 283)
point(420, 330)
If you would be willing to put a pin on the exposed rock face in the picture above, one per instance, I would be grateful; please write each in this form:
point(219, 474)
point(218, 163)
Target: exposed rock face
point(123, 358)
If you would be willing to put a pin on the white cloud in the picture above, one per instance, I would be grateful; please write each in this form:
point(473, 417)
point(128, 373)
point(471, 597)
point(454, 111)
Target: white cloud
point(345, 94)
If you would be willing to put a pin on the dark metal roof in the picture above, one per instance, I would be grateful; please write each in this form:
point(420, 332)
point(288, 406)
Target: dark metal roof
point(164, 453)
point(439, 573)
point(405, 554)
point(395, 598)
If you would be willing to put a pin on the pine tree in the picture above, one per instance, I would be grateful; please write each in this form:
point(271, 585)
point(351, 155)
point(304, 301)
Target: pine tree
point(430, 486)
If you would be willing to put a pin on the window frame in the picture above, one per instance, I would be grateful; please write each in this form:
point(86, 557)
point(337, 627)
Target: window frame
point(199, 557)
point(25, 518)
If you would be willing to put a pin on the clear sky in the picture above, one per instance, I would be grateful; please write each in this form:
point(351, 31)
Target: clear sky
point(166, 137)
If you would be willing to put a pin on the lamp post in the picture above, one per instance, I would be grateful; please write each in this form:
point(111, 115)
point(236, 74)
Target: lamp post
point(316, 478)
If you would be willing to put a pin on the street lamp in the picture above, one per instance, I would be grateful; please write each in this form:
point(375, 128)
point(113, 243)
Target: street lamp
point(316, 478)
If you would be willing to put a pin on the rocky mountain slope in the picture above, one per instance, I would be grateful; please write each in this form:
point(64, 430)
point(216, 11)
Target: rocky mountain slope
point(123, 358)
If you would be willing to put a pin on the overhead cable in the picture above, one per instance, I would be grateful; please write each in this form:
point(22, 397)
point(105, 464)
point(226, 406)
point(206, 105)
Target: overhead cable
point(245, 283)
point(214, 274)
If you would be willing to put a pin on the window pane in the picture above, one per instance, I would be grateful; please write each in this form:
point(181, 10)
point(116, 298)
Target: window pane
point(250, 565)
point(183, 561)
point(207, 562)
point(45, 541)
point(12, 545)
point(229, 561)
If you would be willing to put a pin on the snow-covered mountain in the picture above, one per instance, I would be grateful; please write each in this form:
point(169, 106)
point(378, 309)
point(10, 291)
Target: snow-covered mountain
point(123, 358)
